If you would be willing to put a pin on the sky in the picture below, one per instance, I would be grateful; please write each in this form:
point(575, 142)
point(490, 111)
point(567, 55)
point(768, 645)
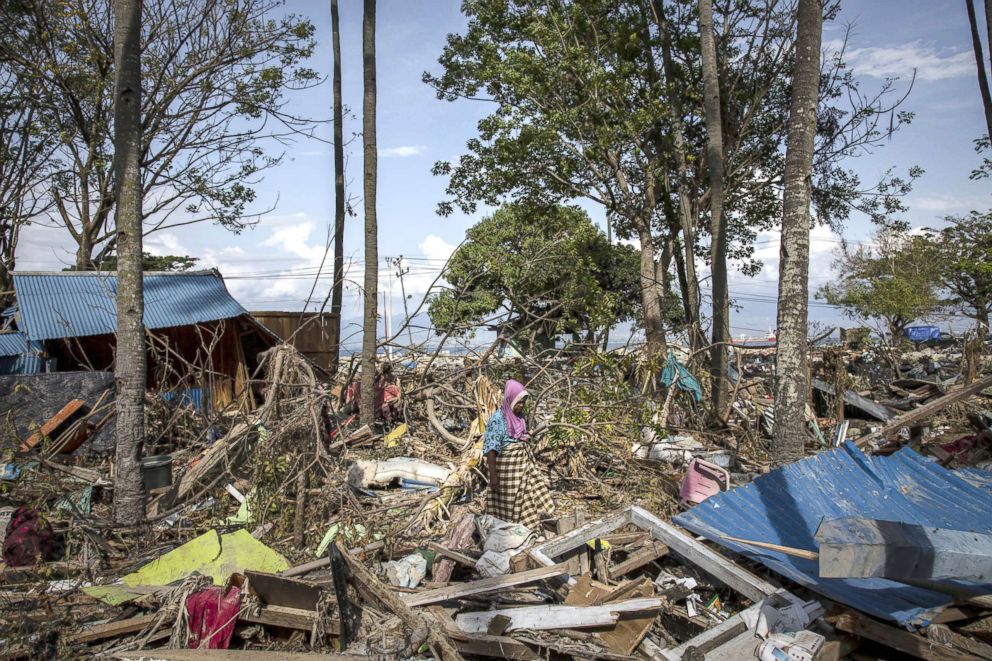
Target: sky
point(272, 265)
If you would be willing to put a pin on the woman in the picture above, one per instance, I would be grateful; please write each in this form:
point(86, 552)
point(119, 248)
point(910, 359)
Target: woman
point(518, 489)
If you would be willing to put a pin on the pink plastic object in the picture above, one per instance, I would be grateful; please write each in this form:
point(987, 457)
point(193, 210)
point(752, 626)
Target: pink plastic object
point(702, 480)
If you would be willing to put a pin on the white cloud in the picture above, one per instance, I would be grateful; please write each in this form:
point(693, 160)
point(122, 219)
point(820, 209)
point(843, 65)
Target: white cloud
point(899, 61)
point(164, 243)
point(402, 152)
point(435, 248)
point(942, 203)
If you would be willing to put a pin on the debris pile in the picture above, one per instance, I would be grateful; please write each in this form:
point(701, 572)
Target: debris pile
point(281, 525)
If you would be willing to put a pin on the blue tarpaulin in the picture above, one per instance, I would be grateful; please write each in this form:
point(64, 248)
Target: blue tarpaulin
point(686, 381)
point(786, 506)
point(923, 333)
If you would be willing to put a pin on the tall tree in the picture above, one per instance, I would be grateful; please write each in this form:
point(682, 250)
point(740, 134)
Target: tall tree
point(791, 362)
point(963, 256)
point(976, 44)
point(129, 367)
point(217, 75)
point(337, 288)
point(892, 282)
point(371, 283)
point(561, 74)
point(718, 228)
point(538, 272)
point(26, 147)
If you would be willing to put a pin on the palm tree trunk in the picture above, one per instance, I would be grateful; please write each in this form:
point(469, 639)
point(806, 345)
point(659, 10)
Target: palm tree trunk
point(976, 43)
point(337, 289)
point(371, 231)
point(791, 363)
point(130, 368)
point(718, 244)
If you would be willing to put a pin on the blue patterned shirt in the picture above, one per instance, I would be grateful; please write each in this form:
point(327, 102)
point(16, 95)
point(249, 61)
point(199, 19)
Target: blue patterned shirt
point(496, 437)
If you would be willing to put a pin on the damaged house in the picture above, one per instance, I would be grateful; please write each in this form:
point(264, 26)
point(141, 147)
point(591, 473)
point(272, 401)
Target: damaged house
point(203, 345)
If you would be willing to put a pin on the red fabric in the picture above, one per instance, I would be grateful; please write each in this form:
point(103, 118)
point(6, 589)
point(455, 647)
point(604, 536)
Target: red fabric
point(212, 613)
point(385, 397)
point(29, 539)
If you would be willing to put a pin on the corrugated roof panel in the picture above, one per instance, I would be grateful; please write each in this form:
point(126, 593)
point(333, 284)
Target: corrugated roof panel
point(59, 305)
point(786, 506)
point(16, 344)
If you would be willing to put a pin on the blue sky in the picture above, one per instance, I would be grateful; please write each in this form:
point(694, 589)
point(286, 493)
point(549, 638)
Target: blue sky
point(270, 267)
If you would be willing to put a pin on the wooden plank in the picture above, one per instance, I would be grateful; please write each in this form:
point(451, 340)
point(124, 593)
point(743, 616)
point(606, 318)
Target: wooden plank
point(234, 655)
point(483, 586)
point(941, 634)
point(113, 629)
point(627, 634)
point(288, 618)
point(651, 552)
point(369, 585)
point(499, 647)
point(53, 423)
point(546, 618)
point(713, 637)
point(729, 573)
point(925, 411)
point(898, 639)
point(454, 555)
point(275, 590)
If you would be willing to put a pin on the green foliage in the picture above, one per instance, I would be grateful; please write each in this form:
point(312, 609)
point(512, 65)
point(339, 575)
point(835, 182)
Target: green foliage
point(546, 270)
point(585, 108)
point(214, 75)
point(174, 263)
point(895, 282)
point(964, 260)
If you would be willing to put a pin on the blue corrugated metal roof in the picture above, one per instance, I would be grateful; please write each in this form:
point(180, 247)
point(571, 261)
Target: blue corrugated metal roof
point(59, 305)
point(786, 505)
point(16, 344)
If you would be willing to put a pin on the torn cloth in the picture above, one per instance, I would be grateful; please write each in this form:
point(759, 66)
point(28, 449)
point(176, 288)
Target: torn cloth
point(674, 372)
point(30, 539)
point(212, 613)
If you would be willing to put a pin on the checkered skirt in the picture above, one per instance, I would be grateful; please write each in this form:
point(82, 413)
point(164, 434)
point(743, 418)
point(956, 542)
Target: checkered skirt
point(523, 493)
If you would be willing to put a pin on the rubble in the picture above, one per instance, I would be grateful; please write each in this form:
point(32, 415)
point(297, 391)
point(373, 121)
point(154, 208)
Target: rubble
point(283, 528)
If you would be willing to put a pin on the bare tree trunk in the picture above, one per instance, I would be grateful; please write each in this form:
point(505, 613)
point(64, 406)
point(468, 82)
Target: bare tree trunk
point(976, 43)
point(687, 264)
point(654, 326)
point(130, 368)
point(791, 362)
point(371, 231)
point(718, 245)
point(337, 291)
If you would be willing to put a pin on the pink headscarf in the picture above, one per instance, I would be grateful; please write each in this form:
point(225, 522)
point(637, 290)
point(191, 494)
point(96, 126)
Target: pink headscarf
point(516, 427)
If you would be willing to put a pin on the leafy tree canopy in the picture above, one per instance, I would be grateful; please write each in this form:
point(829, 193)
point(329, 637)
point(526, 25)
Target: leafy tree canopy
point(894, 282)
point(175, 263)
point(542, 271)
point(964, 260)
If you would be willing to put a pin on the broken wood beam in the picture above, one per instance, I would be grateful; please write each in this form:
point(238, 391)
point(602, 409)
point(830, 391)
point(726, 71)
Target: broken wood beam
point(461, 537)
point(476, 644)
point(483, 586)
point(651, 551)
point(453, 555)
point(854, 547)
point(439, 642)
point(942, 634)
point(546, 618)
point(928, 409)
point(903, 641)
point(50, 426)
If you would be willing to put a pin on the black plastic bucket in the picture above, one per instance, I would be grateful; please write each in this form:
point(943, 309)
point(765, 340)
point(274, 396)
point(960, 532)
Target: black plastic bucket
point(156, 472)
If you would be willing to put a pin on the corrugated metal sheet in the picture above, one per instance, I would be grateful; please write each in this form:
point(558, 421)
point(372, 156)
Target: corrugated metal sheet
point(59, 305)
point(15, 344)
point(786, 505)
